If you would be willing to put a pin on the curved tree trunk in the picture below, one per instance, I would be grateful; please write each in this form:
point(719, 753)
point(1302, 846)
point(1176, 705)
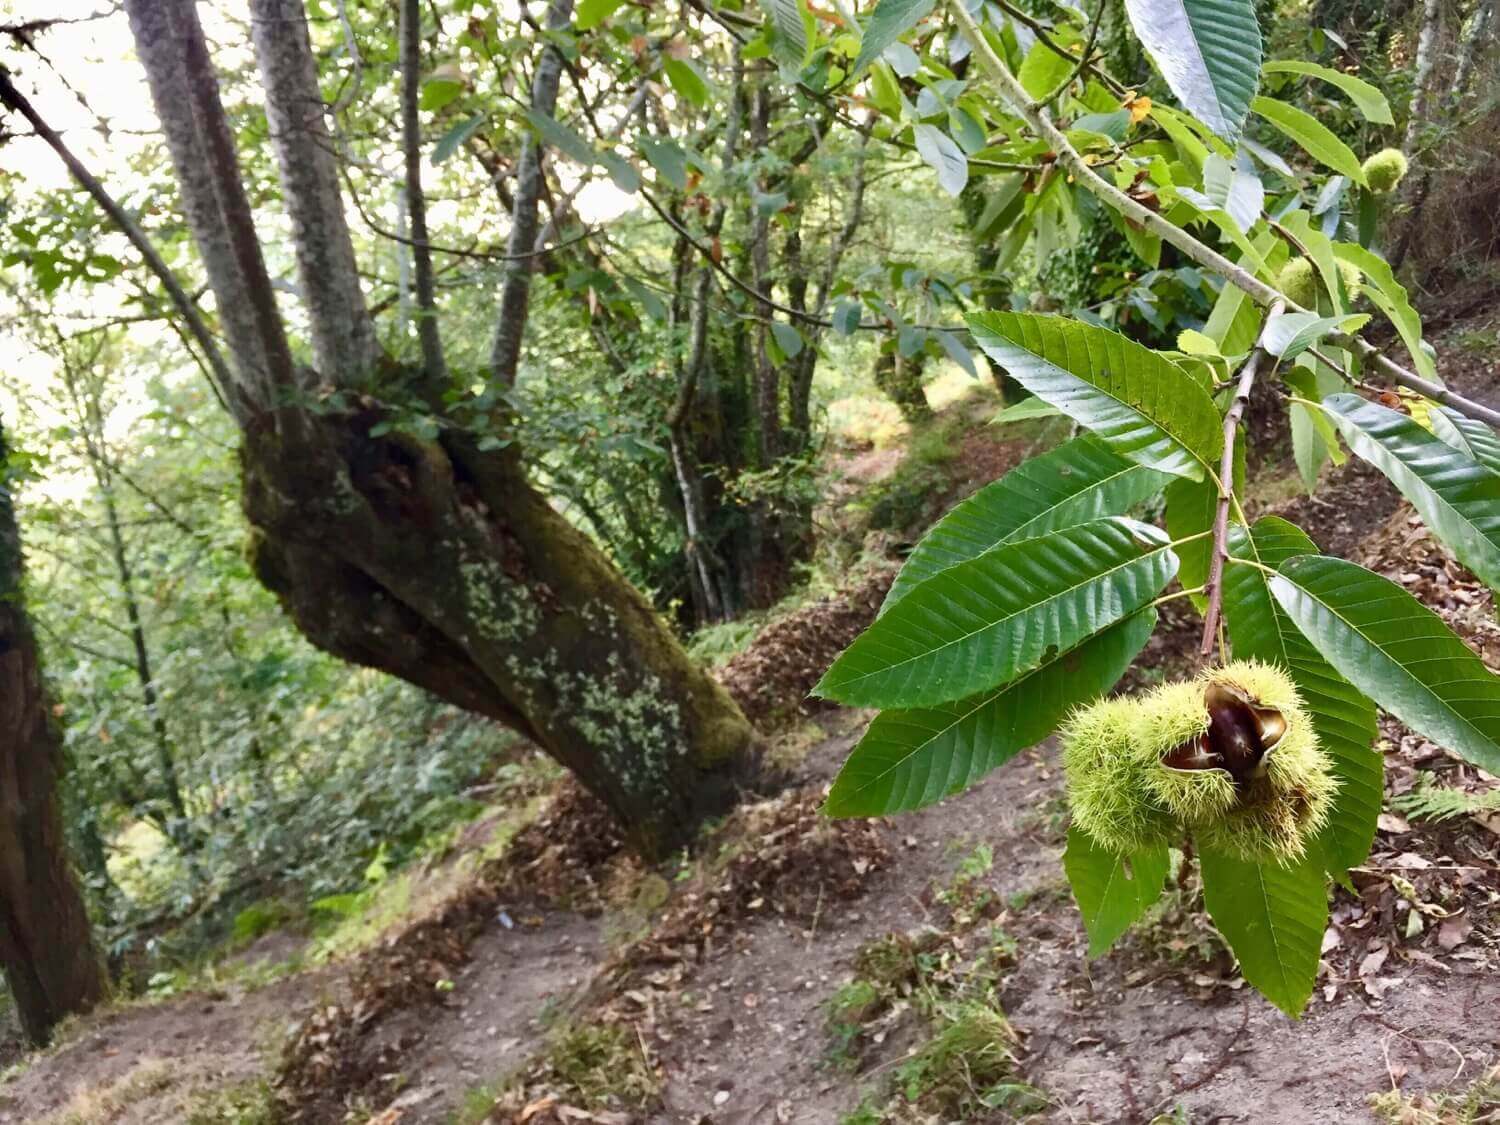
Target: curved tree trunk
point(45, 945)
point(442, 565)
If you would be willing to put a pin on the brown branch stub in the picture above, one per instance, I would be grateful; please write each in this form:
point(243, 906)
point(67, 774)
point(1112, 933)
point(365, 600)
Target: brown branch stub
point(1214, 586)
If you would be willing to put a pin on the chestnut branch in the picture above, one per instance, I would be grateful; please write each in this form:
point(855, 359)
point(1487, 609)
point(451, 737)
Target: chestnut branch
point(1214, 585)
point(1039, 120)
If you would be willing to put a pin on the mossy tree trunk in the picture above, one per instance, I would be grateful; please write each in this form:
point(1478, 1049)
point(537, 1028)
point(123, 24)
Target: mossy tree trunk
point(900, 380)
point(441, 564)
point(45, 945)
point(431, 558)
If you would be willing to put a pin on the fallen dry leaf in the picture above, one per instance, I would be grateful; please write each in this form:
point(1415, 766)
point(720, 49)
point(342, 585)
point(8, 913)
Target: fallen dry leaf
point(1454, 931)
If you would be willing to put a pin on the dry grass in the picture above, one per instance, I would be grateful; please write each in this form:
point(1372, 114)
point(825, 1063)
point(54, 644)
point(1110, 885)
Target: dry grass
point(111, 1102)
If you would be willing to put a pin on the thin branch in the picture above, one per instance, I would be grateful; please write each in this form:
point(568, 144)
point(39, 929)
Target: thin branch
point(515, 294)
point(455, 251)
point(1214, 586)
point(1086, 59)
point(74, 643)
point(1465, 406)
point(1051, 44)
point(357, 60)
point(749, 290)
point(222, 378)
point(416, 206)
point(31, 27)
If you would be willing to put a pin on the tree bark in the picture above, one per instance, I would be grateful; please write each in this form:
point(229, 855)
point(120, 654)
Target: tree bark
point(1471, 46)
point(900, 380)
point(1432, 11)
point(343, 337)
point(416, 203)
point(441, 564)
point(184, 90)
point(515, 294)
point(45, 945)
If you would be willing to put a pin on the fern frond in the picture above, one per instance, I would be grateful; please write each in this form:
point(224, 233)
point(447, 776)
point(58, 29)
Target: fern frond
point(1438, 802)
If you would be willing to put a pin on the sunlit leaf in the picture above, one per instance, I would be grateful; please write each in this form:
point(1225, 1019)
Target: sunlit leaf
point(907, 759)
point(667, 157)
point(790, 45)
point(1209, 52)
point(1390, 297)
point(1312, 136)
point(1397, 651)
point(983, 622)
point(591, 13)
point(1367, 98)
point(688, 80)
point(451, 141)
point(1027, 410)
point(1079, 481)
point(890, 20)
point(1137, 402)
point(438, 93)
point(1288, 335)
point(943, 156)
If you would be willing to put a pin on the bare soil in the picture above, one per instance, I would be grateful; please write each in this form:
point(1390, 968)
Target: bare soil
point(174, 1047)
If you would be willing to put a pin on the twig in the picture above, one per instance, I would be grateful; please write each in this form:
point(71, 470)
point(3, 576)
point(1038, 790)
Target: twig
point(1434, 391)
point(817, 913)
point(1414, 382)
point(1086, 59)
point(810, 319)
point(1047, 41)
point(30, 27)
point(1214, 587)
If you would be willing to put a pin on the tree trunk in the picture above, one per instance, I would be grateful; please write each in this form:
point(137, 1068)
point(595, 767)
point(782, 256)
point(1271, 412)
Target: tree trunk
point(45, 944)
point(442, 565)
point(1472, 43)
point(1416, 121)
point(900, 380)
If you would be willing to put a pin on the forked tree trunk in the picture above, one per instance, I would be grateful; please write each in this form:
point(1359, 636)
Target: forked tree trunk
point(45, 945)
point(427, 558)
point(442, 565)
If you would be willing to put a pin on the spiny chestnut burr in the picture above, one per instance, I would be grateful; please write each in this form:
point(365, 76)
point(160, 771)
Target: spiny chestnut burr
point(1385, 170)
point(1229, 757)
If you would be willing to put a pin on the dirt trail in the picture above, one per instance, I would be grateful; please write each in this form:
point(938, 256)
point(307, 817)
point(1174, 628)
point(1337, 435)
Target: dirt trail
point(1104, 1040)
point(519, 967)
point(166, 1050)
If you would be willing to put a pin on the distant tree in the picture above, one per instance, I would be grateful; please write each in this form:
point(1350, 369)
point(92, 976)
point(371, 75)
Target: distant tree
point(45, 944)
